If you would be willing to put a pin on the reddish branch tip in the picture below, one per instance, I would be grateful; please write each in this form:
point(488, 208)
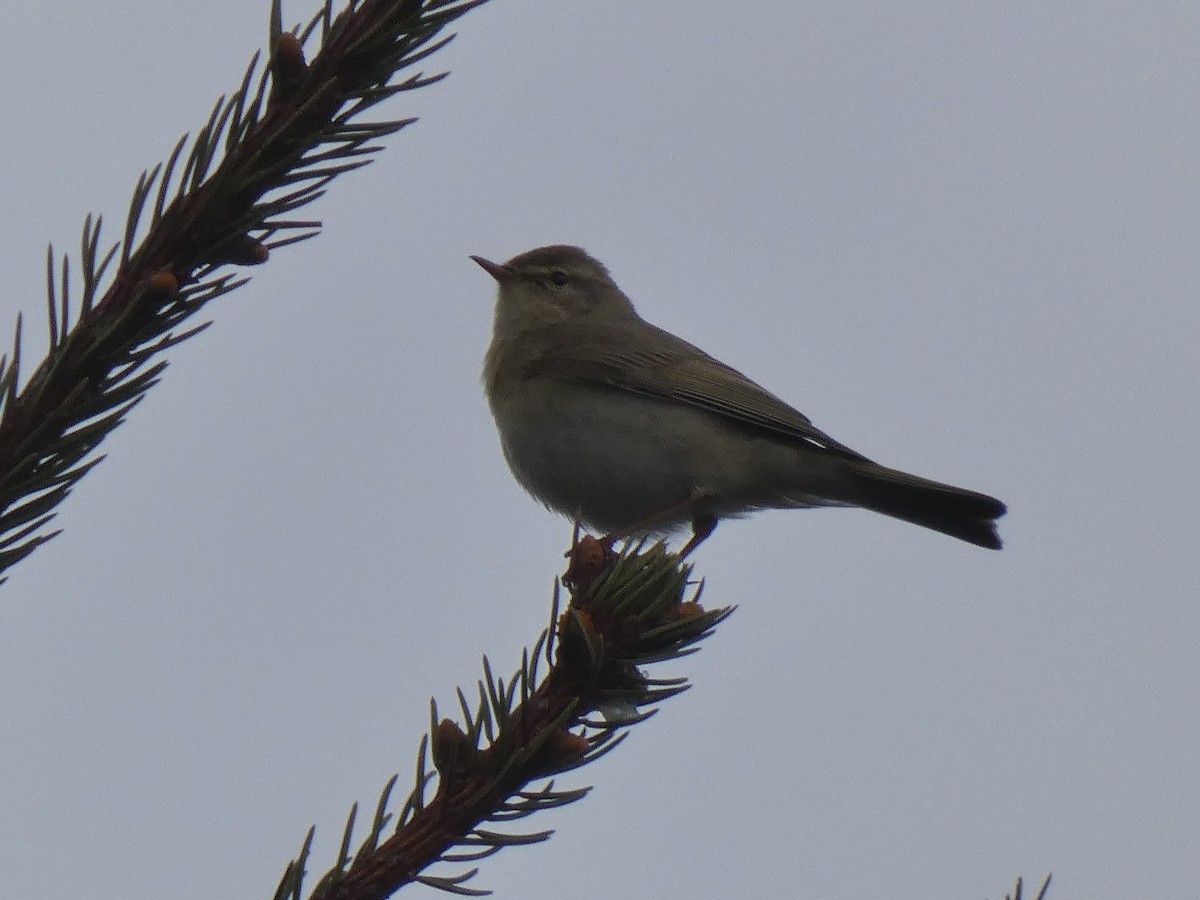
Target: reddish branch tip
point(288, 49)
point(288, 68)
point(682, 611)
point(576, 640)
point(163, 283)
point(452, 750)
point(561, 748)
point(588, 558)
point(248, 252)
point(577, 617)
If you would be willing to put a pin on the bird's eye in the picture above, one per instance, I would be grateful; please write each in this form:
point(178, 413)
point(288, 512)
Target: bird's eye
point(558, 278)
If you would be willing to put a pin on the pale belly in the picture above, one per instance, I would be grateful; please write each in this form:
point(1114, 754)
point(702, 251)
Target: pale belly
point(616, 461)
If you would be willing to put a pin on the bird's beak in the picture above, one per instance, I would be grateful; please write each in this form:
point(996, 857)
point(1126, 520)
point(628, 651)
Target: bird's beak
point(497, 271)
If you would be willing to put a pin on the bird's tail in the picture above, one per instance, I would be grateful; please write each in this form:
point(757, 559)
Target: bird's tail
point(966, 515)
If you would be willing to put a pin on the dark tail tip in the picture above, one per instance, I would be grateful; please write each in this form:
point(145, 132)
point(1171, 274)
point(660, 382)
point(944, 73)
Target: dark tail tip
point(966, 515)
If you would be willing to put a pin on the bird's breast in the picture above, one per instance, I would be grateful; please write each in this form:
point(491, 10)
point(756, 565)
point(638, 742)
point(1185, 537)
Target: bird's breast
point(609, 458)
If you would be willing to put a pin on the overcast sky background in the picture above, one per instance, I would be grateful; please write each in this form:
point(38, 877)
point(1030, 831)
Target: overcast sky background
point(961, 238)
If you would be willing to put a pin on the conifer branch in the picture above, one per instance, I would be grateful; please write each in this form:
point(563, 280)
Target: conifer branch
point(496, 765)
point(225, 200)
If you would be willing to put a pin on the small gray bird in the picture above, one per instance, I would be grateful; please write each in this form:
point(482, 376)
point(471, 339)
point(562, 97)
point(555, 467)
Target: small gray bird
point(624, 427)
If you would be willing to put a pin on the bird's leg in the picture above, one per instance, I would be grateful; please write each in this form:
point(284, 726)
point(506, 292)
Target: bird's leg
point(648, 524)
point(702, 526)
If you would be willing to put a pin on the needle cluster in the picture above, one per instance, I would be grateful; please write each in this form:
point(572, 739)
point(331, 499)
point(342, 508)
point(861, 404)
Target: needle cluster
point(495, 766)
point(223, 199)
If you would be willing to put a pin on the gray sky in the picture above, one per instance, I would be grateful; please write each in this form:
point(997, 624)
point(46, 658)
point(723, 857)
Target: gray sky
point(962, 239)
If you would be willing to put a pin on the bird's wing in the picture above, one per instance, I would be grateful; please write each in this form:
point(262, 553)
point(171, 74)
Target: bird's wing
point(620, 357)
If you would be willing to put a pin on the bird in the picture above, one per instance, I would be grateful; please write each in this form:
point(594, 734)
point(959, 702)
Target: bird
point(630, 430)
